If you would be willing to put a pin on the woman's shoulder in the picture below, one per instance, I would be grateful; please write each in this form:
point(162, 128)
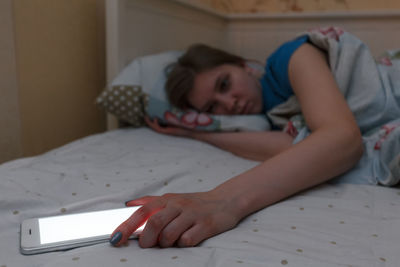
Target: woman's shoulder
point(285, 51)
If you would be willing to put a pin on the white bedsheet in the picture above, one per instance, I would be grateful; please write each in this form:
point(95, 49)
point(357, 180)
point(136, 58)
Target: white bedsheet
point(331, 225)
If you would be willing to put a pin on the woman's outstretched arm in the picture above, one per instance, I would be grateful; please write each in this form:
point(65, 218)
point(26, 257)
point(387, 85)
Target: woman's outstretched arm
point(333, 147)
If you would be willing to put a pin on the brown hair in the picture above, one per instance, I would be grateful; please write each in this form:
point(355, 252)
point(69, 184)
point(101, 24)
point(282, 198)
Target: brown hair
point(198, 58)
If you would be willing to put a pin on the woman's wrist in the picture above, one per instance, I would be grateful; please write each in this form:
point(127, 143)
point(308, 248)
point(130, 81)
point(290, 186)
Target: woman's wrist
point(237, 204)
point(199, 135)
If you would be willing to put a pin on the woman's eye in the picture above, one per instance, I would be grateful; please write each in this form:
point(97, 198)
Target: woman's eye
point(224, 85)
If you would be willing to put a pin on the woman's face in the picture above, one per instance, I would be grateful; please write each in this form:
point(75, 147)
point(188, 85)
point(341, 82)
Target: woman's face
point(227, 90)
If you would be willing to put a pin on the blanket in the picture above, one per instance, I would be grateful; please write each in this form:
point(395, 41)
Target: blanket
point(372, 90)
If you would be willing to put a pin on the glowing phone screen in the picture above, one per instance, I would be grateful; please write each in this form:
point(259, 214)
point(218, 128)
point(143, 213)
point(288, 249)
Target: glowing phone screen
point(83, 225)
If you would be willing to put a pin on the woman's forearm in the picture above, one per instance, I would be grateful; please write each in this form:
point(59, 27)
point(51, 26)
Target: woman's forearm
point(318, 158)
point(252, 145)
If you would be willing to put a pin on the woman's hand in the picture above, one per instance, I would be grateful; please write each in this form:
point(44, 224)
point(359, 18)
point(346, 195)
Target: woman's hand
point(177, 219)
point(170, 130)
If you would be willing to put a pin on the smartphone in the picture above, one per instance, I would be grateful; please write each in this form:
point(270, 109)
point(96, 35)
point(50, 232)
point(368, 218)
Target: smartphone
point(63, 232)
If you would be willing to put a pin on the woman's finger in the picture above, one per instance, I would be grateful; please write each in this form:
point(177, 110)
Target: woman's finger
point(155, 225)
point(205, 229)
point(139, 201)
point(137, 219)
point(153, 124)
point(194, 236)
point(174, 230)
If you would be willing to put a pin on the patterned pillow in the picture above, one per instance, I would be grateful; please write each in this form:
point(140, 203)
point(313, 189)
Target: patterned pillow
point(126, 102)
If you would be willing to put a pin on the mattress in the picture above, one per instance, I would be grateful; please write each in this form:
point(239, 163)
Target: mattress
point(329, 225)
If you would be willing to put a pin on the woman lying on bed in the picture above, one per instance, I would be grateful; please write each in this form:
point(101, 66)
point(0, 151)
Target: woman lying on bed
point(210, 80)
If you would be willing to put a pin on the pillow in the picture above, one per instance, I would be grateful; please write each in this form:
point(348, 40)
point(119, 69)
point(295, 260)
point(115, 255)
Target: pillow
point(138, 91)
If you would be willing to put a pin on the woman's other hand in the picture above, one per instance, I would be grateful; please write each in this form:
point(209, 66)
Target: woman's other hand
point(178, 219)
point(169, 130)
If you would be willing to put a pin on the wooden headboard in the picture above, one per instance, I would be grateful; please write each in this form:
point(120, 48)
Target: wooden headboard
point(142, 27)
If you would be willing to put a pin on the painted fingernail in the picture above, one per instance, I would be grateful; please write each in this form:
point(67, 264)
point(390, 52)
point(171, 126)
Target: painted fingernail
point(116, 238)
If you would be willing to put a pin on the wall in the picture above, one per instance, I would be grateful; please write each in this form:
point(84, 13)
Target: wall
point(59, 55)
point(282, 6)
point(10, 127)
point(263, 25)
point(256, 38)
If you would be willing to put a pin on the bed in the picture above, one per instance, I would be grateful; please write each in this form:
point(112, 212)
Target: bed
point(330, 225)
